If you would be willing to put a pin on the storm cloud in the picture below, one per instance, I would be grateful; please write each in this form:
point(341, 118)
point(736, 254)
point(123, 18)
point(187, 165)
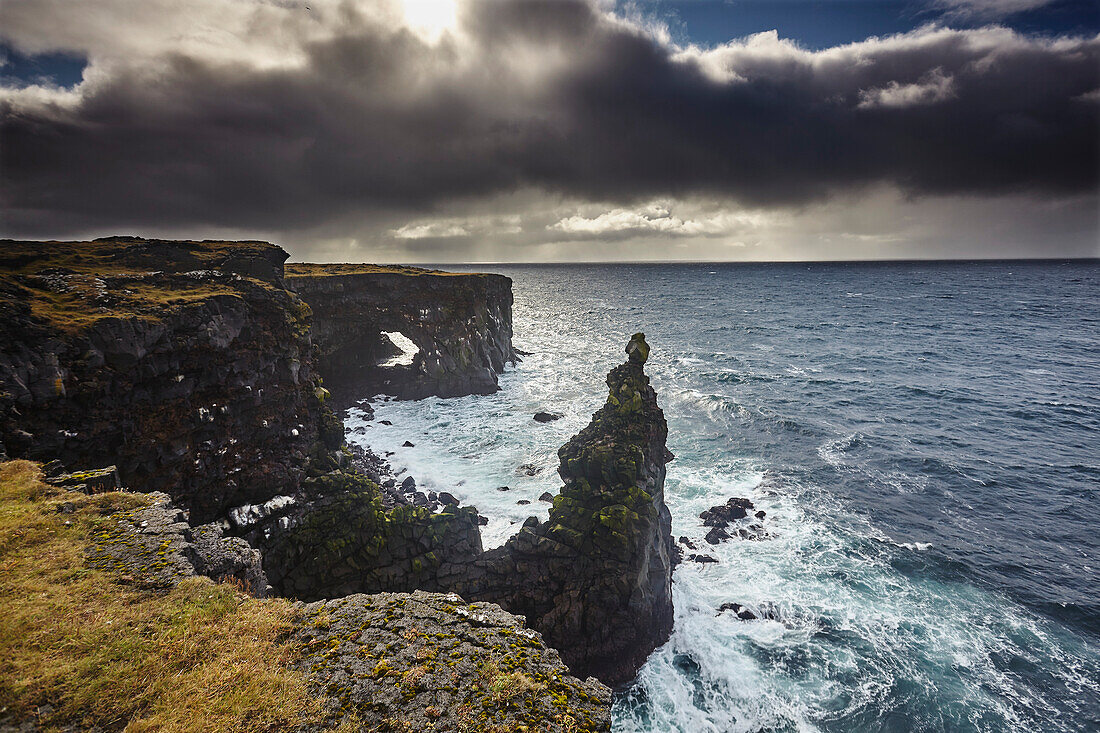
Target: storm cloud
point(277, 117)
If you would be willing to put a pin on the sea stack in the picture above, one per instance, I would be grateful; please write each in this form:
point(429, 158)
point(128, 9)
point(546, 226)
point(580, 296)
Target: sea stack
point(596, 578)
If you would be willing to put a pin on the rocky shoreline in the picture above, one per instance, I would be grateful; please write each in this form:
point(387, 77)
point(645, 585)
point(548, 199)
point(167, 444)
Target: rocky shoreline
point(193, 368)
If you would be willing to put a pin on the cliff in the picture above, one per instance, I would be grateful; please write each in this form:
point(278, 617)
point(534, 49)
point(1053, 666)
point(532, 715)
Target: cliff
point(109, 623)
point(458, 328)
point(194, 367)
point(187, 364)
point(596, 578)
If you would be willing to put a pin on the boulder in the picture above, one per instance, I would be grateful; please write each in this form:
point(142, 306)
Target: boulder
point(721, 515)
point(434, 662)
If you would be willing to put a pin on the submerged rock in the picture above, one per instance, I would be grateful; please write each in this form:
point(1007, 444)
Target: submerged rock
point(720, 517)
point(716, 535)
point(740, 611)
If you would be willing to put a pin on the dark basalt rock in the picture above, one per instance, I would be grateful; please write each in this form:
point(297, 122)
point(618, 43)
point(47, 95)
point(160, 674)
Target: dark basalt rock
point(702, 558)
point(721, 515)
point(547, 497)
point(228, 558)
point(461, 324)
point(548, 416)
point(431, 662)
point(716, 535)
point(423, 659)
point(408, 444)
point(740, 611)
point(153, 546)
point(595, 579)
point(719, 518)
point(92, 481)
point(186, 364)
point(337, 537)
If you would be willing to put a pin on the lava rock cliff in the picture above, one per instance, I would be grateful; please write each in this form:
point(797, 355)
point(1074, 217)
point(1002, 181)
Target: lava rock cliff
point(596, 578)
point(459, 324)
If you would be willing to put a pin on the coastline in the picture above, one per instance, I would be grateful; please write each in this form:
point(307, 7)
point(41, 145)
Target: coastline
point(203, 343)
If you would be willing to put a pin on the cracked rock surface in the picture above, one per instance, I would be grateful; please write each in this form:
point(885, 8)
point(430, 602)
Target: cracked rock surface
point(430, 661)
point(153, 546)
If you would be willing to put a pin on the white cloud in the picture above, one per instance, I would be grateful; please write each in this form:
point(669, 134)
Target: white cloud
point(933, 87)
point(458, 227)
point(656, 218)
point(989, 9)
point(430, 230)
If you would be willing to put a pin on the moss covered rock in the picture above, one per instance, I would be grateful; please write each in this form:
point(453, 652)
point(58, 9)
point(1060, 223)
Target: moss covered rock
point(595, 578)
point(429, 661)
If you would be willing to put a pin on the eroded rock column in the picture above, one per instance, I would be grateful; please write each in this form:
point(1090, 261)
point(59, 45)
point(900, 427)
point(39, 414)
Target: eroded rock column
point(596, 578)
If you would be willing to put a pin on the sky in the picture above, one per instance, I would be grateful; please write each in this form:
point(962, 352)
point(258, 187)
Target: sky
point(558, 130)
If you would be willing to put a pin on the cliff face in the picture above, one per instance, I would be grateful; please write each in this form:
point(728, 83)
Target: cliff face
point(335, 538)
point(460, 324)
point(191, 366)
point(187, 364)
point(596, 578)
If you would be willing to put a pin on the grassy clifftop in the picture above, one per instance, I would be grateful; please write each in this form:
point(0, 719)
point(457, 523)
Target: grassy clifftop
point(78, 647)
point(85, 645)
point(67, 285)
point(308, 269)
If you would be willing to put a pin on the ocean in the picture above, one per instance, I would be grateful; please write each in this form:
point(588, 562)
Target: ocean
point(923, 437)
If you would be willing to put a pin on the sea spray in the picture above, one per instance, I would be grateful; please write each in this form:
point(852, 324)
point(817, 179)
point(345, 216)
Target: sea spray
point(929, 492)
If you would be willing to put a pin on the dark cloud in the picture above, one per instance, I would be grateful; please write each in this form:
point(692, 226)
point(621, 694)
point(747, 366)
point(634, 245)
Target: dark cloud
point(552, 96)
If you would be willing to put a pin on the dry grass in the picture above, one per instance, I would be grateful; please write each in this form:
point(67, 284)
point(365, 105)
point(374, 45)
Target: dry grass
point(81, 296)
point(200, 657)
point(502, 686)
point(309, 269)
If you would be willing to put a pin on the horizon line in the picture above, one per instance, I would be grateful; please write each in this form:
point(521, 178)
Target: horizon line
point(898, 260)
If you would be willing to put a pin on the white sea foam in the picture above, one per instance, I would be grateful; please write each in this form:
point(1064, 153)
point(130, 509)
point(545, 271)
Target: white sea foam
point(853, 637)
point(408, 349)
